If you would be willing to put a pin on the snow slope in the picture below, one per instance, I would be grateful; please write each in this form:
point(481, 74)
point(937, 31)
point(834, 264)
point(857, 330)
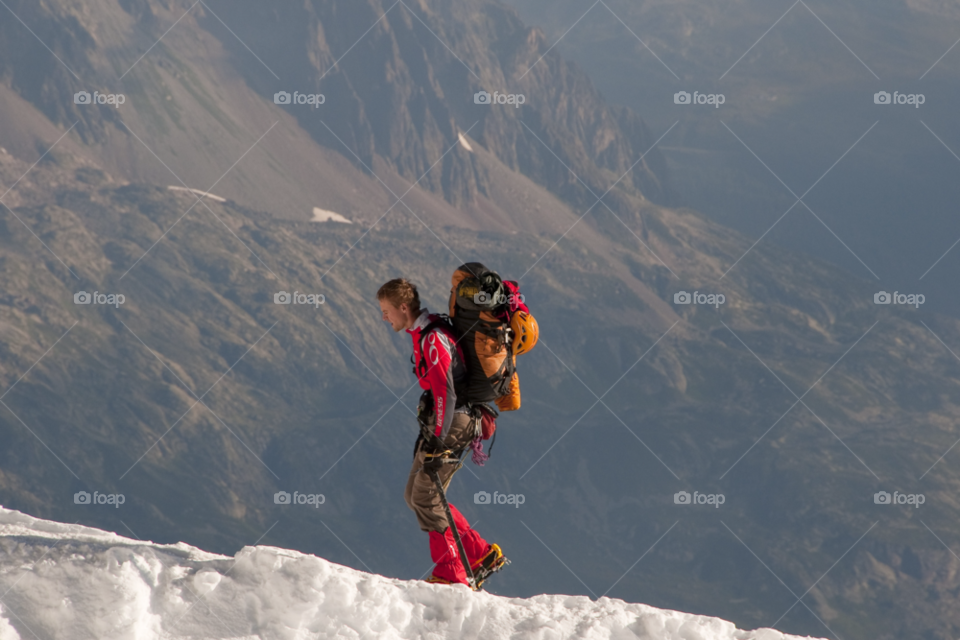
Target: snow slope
point(70, 581)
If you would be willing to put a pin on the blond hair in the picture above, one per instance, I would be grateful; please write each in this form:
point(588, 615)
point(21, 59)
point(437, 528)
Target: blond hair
point(400, 291)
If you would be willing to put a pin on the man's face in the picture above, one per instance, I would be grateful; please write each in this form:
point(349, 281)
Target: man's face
point(396, 316)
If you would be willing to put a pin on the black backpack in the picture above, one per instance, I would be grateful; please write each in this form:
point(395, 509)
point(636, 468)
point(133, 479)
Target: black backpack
point(480, 323)
point(482, 326)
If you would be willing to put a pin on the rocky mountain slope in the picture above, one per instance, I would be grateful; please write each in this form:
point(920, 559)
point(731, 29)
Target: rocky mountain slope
point(198, 398)
point(397, 90)
point(317, 400)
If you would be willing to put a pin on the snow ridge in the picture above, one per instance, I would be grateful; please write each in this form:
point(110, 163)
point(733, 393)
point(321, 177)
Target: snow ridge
point(70, 581)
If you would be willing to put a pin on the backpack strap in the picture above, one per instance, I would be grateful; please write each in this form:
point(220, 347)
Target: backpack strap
point(444, 321)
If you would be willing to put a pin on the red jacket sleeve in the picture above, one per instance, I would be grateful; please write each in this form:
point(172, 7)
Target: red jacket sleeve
point(437, 349)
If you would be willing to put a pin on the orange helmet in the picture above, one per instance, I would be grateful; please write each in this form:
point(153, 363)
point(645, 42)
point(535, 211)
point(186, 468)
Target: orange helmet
point(525, 332)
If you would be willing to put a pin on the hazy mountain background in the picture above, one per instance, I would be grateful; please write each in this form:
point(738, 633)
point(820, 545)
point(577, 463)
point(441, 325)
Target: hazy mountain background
point(799, 79)
point(319, 400)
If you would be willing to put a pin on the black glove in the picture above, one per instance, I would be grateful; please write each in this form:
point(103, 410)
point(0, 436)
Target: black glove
point(426, 416)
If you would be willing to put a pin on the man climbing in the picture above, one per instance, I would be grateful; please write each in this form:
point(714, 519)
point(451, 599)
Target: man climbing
point(447, 428)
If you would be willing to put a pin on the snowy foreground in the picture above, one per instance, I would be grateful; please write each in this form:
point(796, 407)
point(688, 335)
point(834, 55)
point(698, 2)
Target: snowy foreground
point(69, 581)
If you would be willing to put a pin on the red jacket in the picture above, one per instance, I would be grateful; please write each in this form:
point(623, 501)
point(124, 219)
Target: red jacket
point(442, 369)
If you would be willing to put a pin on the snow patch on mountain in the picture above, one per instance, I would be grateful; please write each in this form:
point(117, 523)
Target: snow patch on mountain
point(70, 581)
point(197, 192)
point(322, 215)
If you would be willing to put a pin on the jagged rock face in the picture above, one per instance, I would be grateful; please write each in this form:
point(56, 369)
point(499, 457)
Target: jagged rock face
point(406, 88)
point(398, 95)
point(27, 65)
point(404, 91)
